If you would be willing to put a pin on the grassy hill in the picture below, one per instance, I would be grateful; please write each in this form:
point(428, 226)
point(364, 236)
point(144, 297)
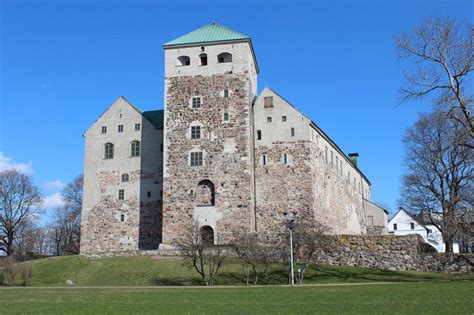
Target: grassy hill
point(145, 271)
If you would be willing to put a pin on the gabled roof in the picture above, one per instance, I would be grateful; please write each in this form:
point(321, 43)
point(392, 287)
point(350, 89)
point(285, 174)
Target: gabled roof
point(410, 215)
point(155, 117)
point(209, 33)
point(315, 126)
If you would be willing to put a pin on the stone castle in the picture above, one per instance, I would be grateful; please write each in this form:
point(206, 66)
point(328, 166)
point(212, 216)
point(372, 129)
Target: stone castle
point(219, 155)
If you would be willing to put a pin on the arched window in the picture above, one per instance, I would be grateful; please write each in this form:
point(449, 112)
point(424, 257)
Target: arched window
point(203, 58)
point(135, 148)
point(207, 235)
point(108, 151)
point(224, 57)
point(183, 61)
point(125, 177)
point(205, 194)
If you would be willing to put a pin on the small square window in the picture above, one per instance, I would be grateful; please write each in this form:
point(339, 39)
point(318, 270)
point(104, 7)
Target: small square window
point(196, 158)
point(196, 102)
point(269, 119)
point(122, 217)
point(226, 116)
point(268, 101)
point(283, 118)
point(259, 135)
point(121, 194)
point(148, 194)
point(195, 132)
point(104, 129)
point(120, 128)
point(137, 127)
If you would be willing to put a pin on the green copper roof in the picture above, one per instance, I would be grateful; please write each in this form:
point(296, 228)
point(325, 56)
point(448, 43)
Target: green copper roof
point(209, 33)
point(156, 117)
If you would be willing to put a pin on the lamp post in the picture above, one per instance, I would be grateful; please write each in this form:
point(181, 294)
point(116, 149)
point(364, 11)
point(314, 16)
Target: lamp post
point(290, 218)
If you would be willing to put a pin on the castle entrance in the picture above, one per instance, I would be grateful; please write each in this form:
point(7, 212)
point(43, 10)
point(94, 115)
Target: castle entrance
point(207, 235)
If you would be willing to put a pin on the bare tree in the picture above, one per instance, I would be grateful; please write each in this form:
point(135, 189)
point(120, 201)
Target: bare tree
point(244, 245)
point(439, 179)
point(20, 201)
point(205, 258)
point(309, 237)
point(442, 51)
point(66, 225)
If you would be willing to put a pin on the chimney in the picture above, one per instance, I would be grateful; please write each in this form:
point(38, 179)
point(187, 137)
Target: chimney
point(354, 157)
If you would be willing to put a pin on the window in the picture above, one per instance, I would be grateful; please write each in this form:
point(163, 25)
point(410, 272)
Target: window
point(224, 57)
point(332, 159)
point(283, 118)
point(203, 58)
point(108, 151)
point(226, 93)
point(183, 61)
point(292, 132)
point(205, 194)
point(196, 103)
point(148, 194)
point(135, 148)
point(104, 129)
point(340, 166)
point(195, 132)
point(370, 220)
point(348, 178)
point(269, 119)
point(226, 116)
point(394, 226)
point(259, 135)
point(122, 217)
point(121, 194)
point(196, 158)
point(137, 127)
point(120, 128)
point(268, 101)
point(264, 159)
point(326, 155)
point(412, 226)
point(337, 164)
point(125, 177)
point(285, 158)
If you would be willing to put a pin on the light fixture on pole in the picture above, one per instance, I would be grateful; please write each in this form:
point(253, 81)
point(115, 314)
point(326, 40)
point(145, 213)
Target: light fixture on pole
point(290, 219)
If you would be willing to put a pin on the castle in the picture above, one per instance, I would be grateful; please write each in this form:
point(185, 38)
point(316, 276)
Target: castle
point(219, 155)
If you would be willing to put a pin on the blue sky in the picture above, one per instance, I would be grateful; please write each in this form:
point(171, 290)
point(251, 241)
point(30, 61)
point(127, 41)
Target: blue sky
point(62, 63)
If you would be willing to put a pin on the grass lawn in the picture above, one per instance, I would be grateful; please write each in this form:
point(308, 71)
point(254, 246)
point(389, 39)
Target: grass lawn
point(406, 298)
point(144, 271)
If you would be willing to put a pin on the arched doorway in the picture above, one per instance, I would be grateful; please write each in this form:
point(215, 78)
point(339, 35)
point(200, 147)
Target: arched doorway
point(207, 235)
point(205, 195)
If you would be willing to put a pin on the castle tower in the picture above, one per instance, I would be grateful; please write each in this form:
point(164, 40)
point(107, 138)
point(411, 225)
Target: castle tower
point(210, 84)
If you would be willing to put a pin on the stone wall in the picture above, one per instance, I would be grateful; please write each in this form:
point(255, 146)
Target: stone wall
point(389, 252)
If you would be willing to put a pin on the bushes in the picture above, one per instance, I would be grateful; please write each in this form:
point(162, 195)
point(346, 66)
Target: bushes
point(10, 270)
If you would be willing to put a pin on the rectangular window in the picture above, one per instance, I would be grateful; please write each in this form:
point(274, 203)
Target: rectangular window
point(137, 127)
point(370, 220)
point(226, 93)
point(104, 129)
point(148, 194)
point(394, 226)
point(264, 159)
point(292, 132)
point(259, 135)
point(283, 118)
point(196, 132)
point(120, 128)
point(337, 164)
point(285, 158)
point(121, 194)
point(122, 217)
point(326, 155)
point(412, 225)
point(332, 159)
point(269, 119)
point(196, 158)
point(196, 102)
point(226, 116)
point(268, 101)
